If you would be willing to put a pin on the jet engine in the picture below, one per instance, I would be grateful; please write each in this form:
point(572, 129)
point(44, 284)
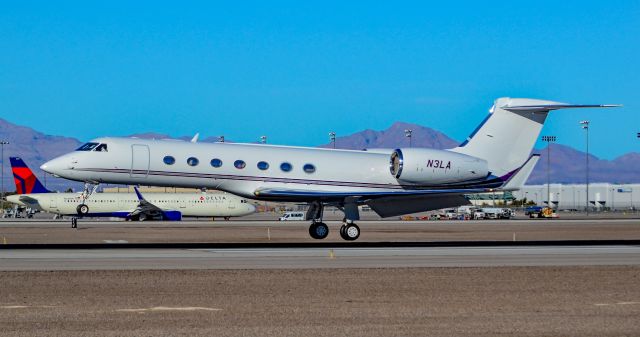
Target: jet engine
point(429, 167)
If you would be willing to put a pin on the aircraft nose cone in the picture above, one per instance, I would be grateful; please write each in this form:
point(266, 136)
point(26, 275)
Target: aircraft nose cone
point(54, 166)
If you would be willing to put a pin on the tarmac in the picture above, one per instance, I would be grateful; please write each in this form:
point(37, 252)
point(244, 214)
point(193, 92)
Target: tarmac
point(255, 231)
point(567, 277)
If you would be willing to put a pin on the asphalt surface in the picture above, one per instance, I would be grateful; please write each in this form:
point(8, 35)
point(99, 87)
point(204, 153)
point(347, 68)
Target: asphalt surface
point(255, 231)
point(302, 258)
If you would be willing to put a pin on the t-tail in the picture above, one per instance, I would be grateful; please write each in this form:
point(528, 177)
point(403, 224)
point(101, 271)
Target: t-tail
point(26, 181)
point(506, 137)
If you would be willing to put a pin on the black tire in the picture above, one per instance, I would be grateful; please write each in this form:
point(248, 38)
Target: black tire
point(82, 209)
point(318, 230)
point(351, 232)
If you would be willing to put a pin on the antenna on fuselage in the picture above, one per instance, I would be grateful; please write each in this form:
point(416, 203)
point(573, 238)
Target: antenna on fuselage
point(195, 138)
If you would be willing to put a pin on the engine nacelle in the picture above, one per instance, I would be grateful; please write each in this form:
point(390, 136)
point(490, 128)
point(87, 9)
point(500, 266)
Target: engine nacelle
point(429, 166)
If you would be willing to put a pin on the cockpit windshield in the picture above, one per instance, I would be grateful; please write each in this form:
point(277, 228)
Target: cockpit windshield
point(87, 147)
point(93, 147)
point(101, 148)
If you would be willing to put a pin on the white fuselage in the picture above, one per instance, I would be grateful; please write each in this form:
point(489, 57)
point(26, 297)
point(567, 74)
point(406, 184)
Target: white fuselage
point(141, 161)
point(107, 204)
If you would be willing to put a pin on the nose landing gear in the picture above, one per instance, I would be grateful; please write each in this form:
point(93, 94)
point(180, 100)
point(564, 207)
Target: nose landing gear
point(82, 209)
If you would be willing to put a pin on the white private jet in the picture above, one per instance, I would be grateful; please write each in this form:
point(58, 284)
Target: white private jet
point(158, 206)
point(406, 181)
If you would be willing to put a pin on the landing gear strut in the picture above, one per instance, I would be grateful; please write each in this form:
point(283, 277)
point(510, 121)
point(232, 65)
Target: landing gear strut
point(89, 189)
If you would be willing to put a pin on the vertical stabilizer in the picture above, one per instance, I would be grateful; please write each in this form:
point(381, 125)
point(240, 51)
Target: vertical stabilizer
point(506, 137)
point(26, 181)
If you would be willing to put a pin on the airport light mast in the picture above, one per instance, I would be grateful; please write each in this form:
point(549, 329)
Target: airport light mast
point(332, 138)
point(2, 144)
point(407, 133)
point(585, 126)
point(549, 140)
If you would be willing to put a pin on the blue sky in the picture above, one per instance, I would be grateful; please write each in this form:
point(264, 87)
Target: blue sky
point(296, 70)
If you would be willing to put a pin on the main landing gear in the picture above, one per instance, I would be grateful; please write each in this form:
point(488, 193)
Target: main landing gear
point(349, 231)
point(318, 230)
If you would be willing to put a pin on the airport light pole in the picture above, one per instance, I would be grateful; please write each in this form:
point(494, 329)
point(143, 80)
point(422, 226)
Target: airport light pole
point(407, 133)
point(2, 144)
point(263, 139)
point(549, 140)
point(585, 126)
point(332, 138)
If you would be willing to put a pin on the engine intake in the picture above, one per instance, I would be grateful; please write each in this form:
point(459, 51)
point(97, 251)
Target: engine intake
point(429, 166)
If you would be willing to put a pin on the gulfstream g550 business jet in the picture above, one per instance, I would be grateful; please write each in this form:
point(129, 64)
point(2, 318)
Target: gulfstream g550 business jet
point(407, 180)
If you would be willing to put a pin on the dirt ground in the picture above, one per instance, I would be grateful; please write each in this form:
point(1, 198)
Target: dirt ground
point(506, 301)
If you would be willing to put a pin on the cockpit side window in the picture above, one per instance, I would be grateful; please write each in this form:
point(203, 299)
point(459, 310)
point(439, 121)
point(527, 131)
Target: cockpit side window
point(101, 148)
point(87, 147)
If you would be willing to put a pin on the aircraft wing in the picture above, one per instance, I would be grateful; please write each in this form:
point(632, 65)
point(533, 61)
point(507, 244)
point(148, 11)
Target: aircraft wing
point(318, 194)
point(385, 203)
point(147, 208)
point(27, 199)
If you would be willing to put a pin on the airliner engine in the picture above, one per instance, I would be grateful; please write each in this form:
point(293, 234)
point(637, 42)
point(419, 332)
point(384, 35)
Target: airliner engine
point(429, 166)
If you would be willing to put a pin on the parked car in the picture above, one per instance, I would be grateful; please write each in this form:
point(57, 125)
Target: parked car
point(292, 216)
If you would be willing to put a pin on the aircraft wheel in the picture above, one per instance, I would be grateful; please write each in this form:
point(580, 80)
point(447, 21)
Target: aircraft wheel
point(350, 232)
point(142, 217)
point(82, 209)
point(318, 230)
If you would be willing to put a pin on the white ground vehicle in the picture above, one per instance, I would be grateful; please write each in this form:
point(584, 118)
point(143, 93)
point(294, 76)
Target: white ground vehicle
point(492, 213)
point(292, 216)
point(450, 214)
point(478, 215)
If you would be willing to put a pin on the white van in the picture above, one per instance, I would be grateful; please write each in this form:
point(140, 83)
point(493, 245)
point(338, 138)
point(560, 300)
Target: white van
point(292, 216)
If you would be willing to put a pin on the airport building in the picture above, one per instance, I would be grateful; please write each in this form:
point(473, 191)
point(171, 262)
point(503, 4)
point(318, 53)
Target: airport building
point(602, 196)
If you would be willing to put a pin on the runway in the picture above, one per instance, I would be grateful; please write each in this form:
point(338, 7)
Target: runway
point(263, 231)
point(317, 258)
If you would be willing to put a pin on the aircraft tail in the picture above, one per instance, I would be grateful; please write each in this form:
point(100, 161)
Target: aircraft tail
point(26, 181)
point(520, 178)
point(507, 136)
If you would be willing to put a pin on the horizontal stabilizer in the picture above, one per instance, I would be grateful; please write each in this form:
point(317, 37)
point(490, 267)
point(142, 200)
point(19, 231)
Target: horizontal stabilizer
point(550, 107)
